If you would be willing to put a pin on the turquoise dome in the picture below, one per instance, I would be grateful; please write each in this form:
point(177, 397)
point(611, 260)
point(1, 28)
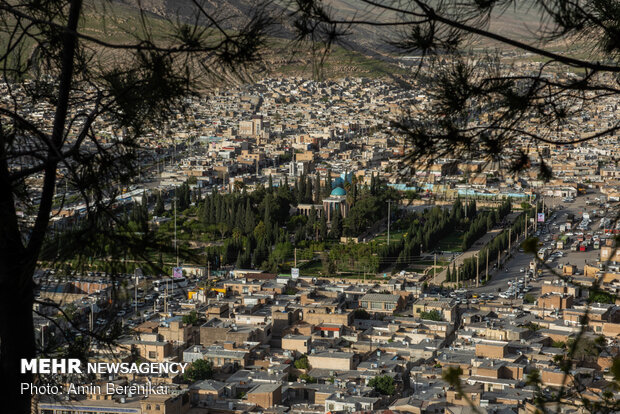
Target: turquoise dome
point(339, 191)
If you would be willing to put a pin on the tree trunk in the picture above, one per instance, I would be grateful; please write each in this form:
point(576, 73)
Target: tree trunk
point(16, 298)
point(16, 332)
point(17, 262)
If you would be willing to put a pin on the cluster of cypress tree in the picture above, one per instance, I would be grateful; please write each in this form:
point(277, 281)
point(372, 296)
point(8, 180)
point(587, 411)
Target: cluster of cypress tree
point(484, 222)
point(183, 196)
point(140, 213)
point(159, 209)
point(499, 243)
point(233, 210)
point(427, 229)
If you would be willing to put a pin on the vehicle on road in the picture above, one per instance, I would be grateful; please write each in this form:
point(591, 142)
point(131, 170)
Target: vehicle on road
point(169, 283)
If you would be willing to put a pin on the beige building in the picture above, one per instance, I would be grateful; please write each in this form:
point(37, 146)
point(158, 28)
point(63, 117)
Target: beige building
point(209, 390)
point(491, 349)
point(316, 315)
point(381, 302)
point(298, 343)
point(555, 301)
point(306, 156)
point(227, 355)
point(609, 253)
point(176, 331)
point(341, 361)
point(265, 395)
point(166, 404)
point(150, 347)
point(554, 377)
point(251, 128)
point(446, 307)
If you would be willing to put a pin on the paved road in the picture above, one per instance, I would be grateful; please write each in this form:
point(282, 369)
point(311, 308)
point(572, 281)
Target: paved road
point(499, 279)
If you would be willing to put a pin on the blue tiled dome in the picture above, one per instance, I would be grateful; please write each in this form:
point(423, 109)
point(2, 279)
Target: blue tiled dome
point(339, 191)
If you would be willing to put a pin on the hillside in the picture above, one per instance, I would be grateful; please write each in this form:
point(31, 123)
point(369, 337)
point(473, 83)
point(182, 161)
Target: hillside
point(121, 23)
point(519, 23)
point(365, 52)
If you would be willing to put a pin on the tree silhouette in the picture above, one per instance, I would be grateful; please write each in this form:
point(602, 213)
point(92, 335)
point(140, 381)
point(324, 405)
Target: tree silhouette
point(159, 205)
point(336, 224)
point(84, 82)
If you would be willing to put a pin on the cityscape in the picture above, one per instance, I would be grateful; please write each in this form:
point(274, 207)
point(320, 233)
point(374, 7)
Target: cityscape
point(283, 244)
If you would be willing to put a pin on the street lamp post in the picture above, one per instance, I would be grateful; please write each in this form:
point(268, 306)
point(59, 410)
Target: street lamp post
point(487, 272)
point(435, 270)
point(477, 270)
point(136, 290)
point(388, 222)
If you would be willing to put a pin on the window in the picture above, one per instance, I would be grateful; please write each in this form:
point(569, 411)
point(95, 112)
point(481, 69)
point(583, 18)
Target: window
point(152, 354)
point(389, 306)
point(157, 407)
point(148, 406)
point(457, 396)
point(376, 305)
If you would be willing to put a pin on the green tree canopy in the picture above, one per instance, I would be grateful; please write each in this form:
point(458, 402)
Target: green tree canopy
point(191, 318)
point(302, 363)
point(199, 370)
point(432, 315)
point(383, 384)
